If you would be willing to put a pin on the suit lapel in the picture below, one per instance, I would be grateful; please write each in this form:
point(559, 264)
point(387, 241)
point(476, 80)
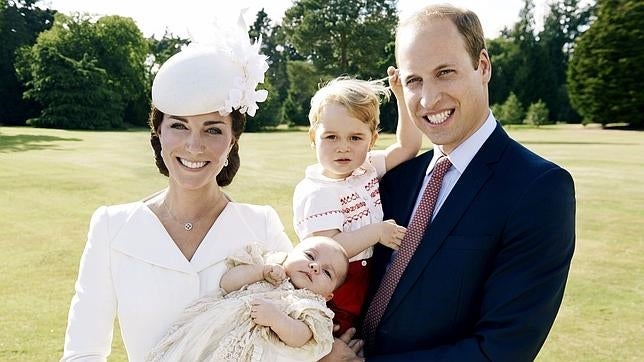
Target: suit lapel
point(143, 237)
point(462, 195)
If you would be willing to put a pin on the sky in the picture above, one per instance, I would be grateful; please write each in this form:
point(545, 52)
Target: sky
point(193, 18)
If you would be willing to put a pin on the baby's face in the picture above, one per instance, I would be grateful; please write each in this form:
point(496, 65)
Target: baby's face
point(317, 264)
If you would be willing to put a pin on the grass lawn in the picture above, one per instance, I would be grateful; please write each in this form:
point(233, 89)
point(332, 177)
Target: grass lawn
point(52, 180)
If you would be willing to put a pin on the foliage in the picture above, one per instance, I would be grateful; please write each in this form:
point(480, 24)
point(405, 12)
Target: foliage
point(160, 50)
point(607, 67)
point(537, 114)
point(20, 23)
point(86, 74)
point(534, 76)
point(269, 114)
point(533, 66)
point(274, 47)
point(511, 111)
point(304, 79)
point(74, 93)
point(562, 26)
point(332, 34)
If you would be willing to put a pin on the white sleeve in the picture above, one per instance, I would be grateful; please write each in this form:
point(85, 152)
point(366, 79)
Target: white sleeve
point(377, 159)
point(91, 315)
point(277, 239)
point(316, 209)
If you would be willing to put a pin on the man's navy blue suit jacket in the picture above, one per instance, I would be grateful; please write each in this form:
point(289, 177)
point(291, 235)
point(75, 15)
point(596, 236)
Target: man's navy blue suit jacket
point(487, 279)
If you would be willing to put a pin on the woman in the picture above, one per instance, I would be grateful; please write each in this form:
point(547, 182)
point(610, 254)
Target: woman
point(145, 261)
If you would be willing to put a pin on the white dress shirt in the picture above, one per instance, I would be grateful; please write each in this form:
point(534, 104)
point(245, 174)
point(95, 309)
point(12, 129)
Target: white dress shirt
point(460, 157)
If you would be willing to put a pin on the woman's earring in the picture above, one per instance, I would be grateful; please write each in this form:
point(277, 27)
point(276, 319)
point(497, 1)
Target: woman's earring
point(226, 163)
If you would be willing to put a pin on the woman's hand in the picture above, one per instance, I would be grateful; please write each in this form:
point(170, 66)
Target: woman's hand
point(274, 274)
point(391, 234)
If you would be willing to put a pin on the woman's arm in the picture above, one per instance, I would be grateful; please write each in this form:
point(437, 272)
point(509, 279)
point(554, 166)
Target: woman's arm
point(93, 307)
point(408, 136)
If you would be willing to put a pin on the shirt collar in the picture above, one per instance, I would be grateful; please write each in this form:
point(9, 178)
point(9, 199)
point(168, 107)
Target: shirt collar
point(315, 172)
point(461, 156)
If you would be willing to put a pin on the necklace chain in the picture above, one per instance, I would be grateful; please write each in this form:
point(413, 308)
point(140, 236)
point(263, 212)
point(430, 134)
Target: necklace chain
point(188, 226)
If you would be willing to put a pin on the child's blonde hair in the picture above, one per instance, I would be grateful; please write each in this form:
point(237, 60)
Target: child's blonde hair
point(361, 98)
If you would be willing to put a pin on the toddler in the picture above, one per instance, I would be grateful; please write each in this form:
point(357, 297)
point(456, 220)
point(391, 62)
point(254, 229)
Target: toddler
point(339, 195)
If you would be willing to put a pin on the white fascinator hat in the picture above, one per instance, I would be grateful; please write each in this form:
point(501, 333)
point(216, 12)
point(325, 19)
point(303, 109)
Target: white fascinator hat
point(219, 76)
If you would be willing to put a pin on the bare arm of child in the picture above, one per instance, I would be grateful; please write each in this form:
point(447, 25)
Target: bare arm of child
point(241, 275)
point(387, 232)
point(408, 136)
point(291, 331)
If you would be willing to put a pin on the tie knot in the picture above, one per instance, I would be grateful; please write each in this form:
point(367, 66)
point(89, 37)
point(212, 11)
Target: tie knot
point(442, 165)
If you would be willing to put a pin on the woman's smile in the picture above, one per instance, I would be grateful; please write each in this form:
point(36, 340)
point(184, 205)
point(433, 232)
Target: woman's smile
point(192, 164)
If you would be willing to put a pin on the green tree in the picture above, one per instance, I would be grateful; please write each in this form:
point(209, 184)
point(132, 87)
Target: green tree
point(304, 80)
point(122, 51)
point(275, 48)
point(510, 112)
point(269, 114)
point(160, 50)
point(607, 66)
point(332, 34)
point(537, 114)
point(74, 93)
point(20, 23)
point(505, 56)
point(562, 26)
point(110, 52)
point(534, 74)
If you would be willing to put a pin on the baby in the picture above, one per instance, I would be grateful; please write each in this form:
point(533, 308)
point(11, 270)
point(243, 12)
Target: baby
point(271, 307)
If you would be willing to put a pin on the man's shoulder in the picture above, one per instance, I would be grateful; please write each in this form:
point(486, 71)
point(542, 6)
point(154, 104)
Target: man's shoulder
point(526, 159)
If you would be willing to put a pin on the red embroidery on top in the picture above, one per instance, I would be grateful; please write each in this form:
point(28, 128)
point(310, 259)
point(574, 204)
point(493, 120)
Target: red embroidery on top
point(356, 217)
point(347, 199)
point(326, 213)
point(371, 184)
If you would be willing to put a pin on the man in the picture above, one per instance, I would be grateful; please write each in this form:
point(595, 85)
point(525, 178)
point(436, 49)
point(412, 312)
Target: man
point(487, 276)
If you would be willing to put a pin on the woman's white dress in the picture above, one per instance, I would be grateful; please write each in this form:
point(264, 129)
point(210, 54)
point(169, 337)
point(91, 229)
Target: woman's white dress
point(133, 270)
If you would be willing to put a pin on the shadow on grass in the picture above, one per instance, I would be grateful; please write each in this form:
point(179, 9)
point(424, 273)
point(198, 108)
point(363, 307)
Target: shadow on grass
point(27, 142)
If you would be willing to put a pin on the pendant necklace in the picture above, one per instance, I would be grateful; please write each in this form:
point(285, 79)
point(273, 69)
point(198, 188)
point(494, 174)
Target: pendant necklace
point(187, 226)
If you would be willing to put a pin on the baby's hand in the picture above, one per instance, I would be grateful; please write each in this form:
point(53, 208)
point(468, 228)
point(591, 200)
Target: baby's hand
point(264, 313)
point(274, 274)
point(394, 83)
point(391, 234)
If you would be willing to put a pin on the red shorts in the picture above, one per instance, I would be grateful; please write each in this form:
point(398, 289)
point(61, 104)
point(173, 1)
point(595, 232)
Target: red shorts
point(348, 300)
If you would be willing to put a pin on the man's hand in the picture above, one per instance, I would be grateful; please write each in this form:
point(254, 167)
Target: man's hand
point(274, 274)
point(345, 348)
point(391, 234)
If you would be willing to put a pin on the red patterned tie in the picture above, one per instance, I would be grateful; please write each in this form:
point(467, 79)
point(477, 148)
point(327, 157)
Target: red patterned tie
point(410, 242)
